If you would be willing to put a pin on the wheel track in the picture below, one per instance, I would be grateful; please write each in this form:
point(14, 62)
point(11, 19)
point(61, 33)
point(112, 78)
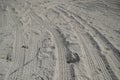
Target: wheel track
point(64, 12)
point(89, 59)
point(17, 71)
point(18, 62)
point(64, 67)
point(83, 22)
point(111, 56)
point(104, 62)
point(90, 62)
point(89, 27)
point(79, 66)
point(99, 61)
point(111, 72)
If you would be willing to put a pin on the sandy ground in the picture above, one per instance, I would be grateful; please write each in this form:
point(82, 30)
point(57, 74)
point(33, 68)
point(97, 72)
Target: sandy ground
point(59, 39)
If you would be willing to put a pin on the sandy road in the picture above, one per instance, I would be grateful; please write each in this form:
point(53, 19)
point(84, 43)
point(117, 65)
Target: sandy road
point(33, 55)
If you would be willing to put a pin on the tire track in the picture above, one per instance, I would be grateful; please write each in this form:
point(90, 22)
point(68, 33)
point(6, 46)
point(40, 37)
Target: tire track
point(17, 69)
point(78, 66)
point(18, 58)
point(90, 63)
point(64, 67)
point(92, 29)
point(104, 43)
point(105, 62)
point(111, 72)
point(111, 56)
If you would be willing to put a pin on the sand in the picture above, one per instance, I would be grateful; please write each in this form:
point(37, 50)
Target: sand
point(59, 40)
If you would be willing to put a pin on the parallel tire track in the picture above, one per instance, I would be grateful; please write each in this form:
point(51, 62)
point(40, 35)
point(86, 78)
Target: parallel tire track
point(103, 58)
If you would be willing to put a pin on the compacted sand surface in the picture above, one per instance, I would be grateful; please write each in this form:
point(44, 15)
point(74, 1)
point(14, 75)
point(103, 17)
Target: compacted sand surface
point(59, 39)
